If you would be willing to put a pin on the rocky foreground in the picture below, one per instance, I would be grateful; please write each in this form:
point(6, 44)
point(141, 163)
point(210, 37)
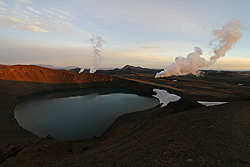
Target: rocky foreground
point(184, 133)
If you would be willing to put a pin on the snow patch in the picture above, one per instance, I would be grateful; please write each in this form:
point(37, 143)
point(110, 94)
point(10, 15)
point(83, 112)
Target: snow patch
point(240, 84)
point(165, 97)
point(206, 103)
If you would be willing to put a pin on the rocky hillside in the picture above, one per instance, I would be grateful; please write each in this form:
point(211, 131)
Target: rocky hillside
point(46, 75)
point(26, 79)
point(184, 133)
point(128, 69)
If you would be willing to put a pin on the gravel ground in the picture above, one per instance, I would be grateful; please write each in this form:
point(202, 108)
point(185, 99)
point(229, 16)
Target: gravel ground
point(184, 133)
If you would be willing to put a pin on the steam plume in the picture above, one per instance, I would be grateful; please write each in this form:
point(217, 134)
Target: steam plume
point(97, 57)
point(227, 36)
point(81, 70)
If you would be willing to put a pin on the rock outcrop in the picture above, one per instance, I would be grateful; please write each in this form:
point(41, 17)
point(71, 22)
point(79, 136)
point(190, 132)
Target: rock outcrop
point(46, 75)
point(181, 134)
point(25, 79)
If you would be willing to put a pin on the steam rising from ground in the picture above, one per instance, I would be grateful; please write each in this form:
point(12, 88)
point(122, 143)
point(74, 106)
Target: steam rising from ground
point(228, 35)
point(81, 70)
point(97, 57)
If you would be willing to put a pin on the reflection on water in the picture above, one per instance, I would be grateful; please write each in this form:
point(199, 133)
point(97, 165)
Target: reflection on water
point(78, 117)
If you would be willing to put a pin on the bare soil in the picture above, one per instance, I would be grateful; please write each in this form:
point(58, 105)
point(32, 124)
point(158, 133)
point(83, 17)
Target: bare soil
point(184, 133)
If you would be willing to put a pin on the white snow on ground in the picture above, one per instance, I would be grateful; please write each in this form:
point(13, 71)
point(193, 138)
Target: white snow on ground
point(206, 103)
point(174, 80)
point(240, 84)
point(164, 97)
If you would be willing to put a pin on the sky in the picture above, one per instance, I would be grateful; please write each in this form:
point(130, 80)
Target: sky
point(146, 33)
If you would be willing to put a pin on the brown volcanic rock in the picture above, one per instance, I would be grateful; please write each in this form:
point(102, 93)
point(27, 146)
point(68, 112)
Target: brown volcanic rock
point(181, 134)
point(20, 80)
point(46, 75)
point(24, 79)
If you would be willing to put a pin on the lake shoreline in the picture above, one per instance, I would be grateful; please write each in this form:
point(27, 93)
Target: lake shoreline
point(184, 133)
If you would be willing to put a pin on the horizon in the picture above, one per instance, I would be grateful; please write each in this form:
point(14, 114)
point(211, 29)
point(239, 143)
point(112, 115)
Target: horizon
point(110, 68)
point(148, 34)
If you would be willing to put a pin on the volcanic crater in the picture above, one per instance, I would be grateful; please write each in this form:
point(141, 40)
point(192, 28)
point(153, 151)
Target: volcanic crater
point(183, 133)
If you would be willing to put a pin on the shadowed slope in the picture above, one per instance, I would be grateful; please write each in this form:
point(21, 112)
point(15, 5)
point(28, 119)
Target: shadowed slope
point(46, 75)
point(23, 79)
point(181, 134)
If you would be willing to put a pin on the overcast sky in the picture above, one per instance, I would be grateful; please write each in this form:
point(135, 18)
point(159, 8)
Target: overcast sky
point(147, 33)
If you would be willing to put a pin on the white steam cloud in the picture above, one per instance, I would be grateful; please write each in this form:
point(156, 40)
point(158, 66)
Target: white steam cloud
point(97, 57)
point(81, 70)
point(228, 35)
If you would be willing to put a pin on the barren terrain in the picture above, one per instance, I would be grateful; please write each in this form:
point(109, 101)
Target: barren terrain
point(184, 133)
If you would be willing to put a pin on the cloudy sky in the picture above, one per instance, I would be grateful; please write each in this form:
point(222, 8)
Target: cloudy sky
point(147, 33)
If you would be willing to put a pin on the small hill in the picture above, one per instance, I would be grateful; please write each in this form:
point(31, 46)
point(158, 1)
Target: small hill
point(128, 69)
point(45, 75)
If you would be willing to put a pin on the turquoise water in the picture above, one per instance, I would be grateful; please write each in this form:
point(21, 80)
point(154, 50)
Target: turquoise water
point(78, 117)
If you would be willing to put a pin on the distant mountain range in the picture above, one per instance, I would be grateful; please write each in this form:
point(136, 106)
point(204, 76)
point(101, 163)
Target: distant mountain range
point(127, 69)
point(133, 68)
point(57, 68)
point(44, 65)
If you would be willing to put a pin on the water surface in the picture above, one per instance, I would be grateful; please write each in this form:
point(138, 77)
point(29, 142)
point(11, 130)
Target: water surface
point(78, 117)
